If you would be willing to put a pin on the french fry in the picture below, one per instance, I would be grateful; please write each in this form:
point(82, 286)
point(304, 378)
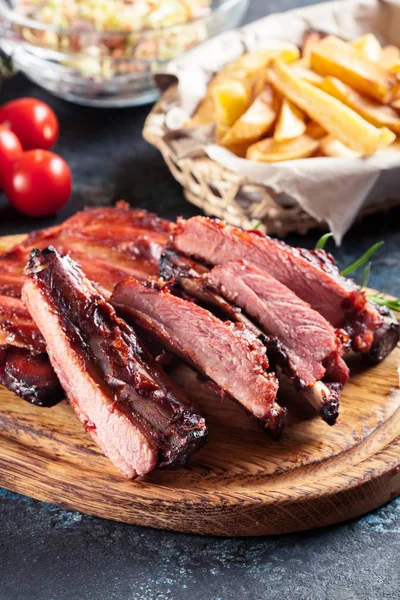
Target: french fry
point(231, 99)
point(368, 47)
point(302, 69)
point(259, 82)
point(389, 56)
point(239, 149)
point(396, 91)
point(220, 131)
point(373, 112)
point(395, 147)
point(205, 112)
point(246, 70)
point(310, 39)
point(349, 92)
point(315, 130)
point(255, 122)
point(332, 56)
point(331, 146)
point(290, 124)
point(269, 150)
point(259, 59)
point(335, 117)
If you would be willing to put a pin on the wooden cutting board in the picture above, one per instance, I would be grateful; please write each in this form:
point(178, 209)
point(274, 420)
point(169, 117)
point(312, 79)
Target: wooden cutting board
point(242, 483)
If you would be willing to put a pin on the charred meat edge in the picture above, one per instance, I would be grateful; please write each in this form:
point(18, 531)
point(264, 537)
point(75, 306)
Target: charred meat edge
point(25, 368)
point(88, 342)
point(110, 244)
point(318, 371)
point(30, 376)
point(160, 312)
point(312, 275)
point(193, 279)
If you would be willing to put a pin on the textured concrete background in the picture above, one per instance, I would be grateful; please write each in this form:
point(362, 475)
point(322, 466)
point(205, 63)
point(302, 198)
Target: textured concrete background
point(50, 554)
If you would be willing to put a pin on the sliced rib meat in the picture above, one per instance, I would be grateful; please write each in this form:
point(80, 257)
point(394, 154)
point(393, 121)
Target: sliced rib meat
point(17, 327)
point(186, 275)
point(303, 332)
point(134, 412)
point(386, 336)
point(30, 376)
point(110, 244)
point(300, 340)
point(129, 241)
point(112, 225)
point(189, 276)
point(312, 275)
point(227, 353)
point(24, 366)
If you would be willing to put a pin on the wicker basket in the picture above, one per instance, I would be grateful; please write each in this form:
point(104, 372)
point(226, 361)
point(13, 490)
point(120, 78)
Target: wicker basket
point(225, 194)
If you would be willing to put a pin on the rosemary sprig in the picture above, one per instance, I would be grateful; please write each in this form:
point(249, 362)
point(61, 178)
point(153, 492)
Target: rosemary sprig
point(363, 261)
point(320, 245)
point(360, 262)
point(392, 303)
point(365, 275)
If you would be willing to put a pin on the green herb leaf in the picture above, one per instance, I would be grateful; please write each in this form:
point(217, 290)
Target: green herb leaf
point(257, 225)
point(392, 303)
point(363, 261)
point(322, 241)
point(360, 262)
point(366, 274)
point(7, 68)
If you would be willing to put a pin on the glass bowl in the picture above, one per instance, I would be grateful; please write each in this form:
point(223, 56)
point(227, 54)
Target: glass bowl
point(105, 68)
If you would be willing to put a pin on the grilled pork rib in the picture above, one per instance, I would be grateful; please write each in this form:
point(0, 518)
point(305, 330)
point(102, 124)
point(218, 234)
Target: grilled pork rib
point(24, 366)
point(194, 279)
point(133, 411)
point(186, 275)
point(110, 244)
point(312, 275)
point(30, 376)
point(115, 243)
point(299, 340)
point(228, 354)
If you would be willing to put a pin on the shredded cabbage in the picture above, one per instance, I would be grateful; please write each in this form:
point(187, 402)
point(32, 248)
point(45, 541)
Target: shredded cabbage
point(106, 15)
point(113, 37)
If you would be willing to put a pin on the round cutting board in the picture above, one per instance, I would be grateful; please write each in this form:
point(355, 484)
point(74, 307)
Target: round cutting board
point(242, 483)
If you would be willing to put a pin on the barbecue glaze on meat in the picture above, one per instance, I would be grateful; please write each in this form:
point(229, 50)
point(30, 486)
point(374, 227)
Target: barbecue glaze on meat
point(312, 275)
point(227, 353)
point(194, 280)
point(299, 340)
point(187, 275)
point(133, 411)
point(110, 244)
point(24, 365)
point(30, 376)
point(249, 293)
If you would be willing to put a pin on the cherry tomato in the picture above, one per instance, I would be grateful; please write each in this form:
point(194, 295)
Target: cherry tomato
point(32, 121)
point(10, 150)
point(38, 184)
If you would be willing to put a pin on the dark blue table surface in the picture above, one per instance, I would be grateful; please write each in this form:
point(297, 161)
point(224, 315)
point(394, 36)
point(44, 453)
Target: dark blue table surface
point(47, 553)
